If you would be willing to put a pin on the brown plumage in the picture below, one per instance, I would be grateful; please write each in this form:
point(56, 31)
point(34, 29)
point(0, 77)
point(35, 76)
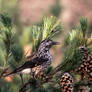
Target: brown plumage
point(39, 62)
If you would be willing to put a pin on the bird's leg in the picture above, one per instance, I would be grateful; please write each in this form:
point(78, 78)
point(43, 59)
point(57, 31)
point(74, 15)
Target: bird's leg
point(33, 74)
point(22, 79)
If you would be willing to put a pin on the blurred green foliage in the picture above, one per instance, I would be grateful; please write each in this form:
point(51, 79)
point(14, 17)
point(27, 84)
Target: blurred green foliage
point(12, 43)
point(56, 8)
point(73, 57)
point(12, 47)
point(49, 27)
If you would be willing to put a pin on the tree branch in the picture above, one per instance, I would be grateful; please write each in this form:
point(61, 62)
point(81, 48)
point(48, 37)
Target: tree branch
point(47, 78)
point(24, 86)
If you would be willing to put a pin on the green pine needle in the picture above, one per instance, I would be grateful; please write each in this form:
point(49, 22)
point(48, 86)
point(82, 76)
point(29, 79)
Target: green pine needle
point(51, 26)
point(6, 20)
point(83, 23)
point(72, 59)
point(17, 52)
point(73, 56)
point(36, 38)
point(74, 38)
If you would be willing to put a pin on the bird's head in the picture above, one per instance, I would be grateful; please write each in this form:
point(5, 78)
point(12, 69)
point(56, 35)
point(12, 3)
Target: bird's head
point(47, 44)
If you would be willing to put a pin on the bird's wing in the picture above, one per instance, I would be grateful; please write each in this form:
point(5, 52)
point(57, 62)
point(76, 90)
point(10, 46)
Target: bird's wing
point(32, 63)
point(29, 64)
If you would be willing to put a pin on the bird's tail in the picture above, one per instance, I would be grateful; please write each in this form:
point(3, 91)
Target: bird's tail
point(9, 74)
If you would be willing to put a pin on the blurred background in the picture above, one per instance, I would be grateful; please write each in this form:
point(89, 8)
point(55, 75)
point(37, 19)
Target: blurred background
point(25, 13)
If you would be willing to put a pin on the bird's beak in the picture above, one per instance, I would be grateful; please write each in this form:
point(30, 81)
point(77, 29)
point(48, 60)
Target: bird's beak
point(56, 43)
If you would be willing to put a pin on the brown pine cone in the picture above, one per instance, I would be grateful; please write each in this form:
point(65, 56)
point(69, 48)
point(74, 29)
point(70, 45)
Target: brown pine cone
point(67, 83)
point(86, 68)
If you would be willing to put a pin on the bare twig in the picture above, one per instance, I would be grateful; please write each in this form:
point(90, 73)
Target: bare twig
point(22, 79)
point(24, 86)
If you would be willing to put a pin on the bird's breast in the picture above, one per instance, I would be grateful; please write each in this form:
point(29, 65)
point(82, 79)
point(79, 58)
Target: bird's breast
point(45, 65)
point(48, 55)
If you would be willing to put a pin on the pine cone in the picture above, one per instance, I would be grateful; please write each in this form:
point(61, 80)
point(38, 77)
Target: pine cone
point(67, 83)
point(89, 68)
point(86, 68)
point(83, 67)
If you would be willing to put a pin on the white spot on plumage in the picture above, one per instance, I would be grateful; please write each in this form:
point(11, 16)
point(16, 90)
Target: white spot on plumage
point(26, 71)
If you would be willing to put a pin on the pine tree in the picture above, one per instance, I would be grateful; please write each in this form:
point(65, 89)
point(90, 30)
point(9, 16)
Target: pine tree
point(68, 75)
point(13, 54)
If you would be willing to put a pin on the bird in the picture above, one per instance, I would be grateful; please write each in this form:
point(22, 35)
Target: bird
point(39, 62)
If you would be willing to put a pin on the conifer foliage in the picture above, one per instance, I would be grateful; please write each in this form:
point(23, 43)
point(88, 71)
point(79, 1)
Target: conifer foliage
point(11, 47)
point(74, 71)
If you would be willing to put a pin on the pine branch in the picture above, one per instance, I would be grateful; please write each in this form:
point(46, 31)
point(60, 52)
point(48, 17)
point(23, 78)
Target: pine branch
point(5, 36)
point(51, 26)
point(32, 82)
point(24, 86)
point(6, 20)
point(84, 26)
point(54, 71)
